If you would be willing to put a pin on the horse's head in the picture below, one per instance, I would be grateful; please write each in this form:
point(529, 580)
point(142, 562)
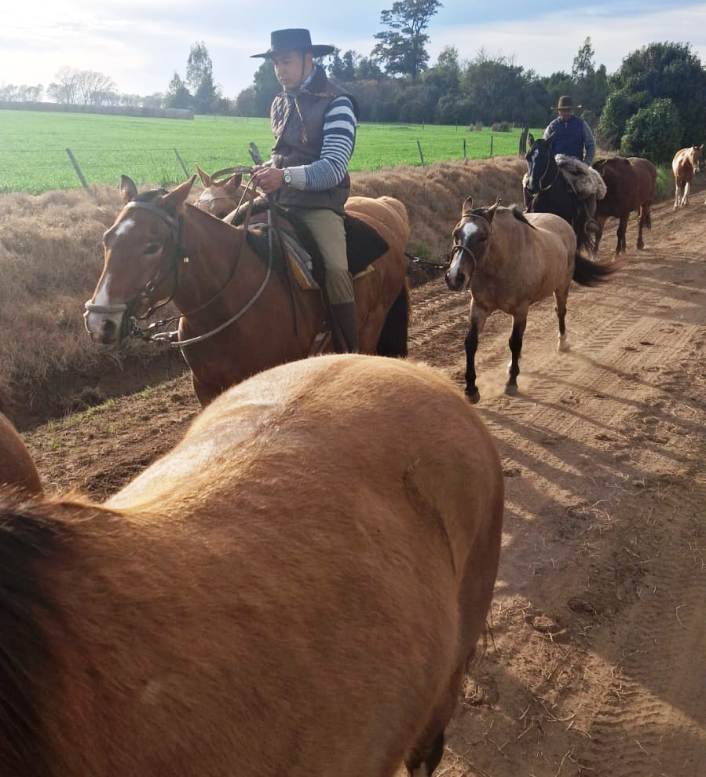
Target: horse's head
point(539, 163)
point(219, 198)
point(142, 253)
point(471, 238)
point(697, 157)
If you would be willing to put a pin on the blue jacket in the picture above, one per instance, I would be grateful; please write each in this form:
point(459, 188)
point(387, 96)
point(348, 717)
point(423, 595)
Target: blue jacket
point(571, 138)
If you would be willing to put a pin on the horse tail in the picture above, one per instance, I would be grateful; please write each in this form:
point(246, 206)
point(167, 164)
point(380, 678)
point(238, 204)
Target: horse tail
point(646, 216)
point(588, 273)
point(393, 337)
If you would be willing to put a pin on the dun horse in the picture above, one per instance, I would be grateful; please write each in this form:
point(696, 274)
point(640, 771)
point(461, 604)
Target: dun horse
point(16, 466)
point(239, 316)
point(295, 589)
point(631, 184)
point(684, 166)
point(511, 260)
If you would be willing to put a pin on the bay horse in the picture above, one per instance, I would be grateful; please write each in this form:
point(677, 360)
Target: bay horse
point(17, 469)
point(511, 260)
point(239, 316)
point(631, 184)
point(550, 192)
point(295, 589)
point(219, 197)
point(685, 165)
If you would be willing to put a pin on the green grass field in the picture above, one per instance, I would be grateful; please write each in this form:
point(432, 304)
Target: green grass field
point(33, 156)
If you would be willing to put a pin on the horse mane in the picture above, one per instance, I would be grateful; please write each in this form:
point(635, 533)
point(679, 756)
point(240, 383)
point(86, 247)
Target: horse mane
point(28, 539)
point(150, 195)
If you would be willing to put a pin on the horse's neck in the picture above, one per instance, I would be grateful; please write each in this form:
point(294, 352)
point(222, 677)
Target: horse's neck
point(211, 249)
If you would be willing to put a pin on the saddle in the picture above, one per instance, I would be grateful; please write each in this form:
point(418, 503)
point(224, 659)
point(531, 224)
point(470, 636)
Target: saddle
point(583, 179)
point(295, 245)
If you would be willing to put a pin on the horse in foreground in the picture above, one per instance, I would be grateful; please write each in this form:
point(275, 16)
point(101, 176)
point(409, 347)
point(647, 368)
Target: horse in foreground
point(17, 469)
point(219, 196)
point(510, 260)
point(564, 186)
point(241, 311)
point(295, 589)
point(631, 184)
point(685, 165)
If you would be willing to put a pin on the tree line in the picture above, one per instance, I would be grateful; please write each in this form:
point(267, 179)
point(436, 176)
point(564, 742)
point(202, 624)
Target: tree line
point(654, 102)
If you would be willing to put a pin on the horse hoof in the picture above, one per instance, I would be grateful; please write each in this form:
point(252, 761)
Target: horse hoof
point(562, 346)
point(473, 396)
point(511, 389)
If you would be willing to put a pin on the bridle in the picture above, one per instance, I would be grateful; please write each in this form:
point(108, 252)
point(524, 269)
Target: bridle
point(543, 188)
point(130, 326)
point(463, 247)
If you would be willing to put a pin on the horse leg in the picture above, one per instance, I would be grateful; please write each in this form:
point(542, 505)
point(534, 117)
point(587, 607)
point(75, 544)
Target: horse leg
point(644, 218)
point(478, 317)
point(519, 322)
point(685, 198)
point(677, 194)
point(600, 220)
point(560, 297)
point(622, 230)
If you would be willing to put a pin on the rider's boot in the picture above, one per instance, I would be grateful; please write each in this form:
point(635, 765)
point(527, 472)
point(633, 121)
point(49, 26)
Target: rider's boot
point(345, 327)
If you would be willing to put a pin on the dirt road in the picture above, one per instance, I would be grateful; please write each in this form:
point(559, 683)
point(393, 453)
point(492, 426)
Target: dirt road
point(595, 662)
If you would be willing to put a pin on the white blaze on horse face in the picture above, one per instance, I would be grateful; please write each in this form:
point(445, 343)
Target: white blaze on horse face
point(206, 196)
point(124, 227)
point(468, 230)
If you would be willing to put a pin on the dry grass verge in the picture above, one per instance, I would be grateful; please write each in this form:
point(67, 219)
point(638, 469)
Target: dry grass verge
point(50, 259)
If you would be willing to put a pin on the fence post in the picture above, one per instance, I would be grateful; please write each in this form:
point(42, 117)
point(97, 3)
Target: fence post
point(491, 146)
point(77, 168)
point(421, 155)
point(181, 162)
point(465, 155)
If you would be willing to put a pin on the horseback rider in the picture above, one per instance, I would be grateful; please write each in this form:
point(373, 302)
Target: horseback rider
point(571, 135)
point(314, 125)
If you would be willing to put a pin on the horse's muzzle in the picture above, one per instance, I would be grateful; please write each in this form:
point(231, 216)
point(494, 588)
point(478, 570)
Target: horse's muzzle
point(104, 323)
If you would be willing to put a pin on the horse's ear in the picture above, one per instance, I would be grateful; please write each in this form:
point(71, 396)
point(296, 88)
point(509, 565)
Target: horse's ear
point(205, 177)
point(177, 197)
point(233, 183)
point(550, 138)
point(467, 205)
point(490, 212)
point(530, 139)
point(128, 190)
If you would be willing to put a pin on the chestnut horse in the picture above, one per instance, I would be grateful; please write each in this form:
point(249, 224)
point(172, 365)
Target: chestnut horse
point(295, 589)
point(631, 184)
point(16, 466)
point(685, 165)
point(239, 316)
point(511, 260)
point(219, 198)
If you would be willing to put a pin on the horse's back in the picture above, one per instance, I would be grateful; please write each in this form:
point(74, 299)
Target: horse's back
point(387, 215)
point(16, 466)
point(553, 229)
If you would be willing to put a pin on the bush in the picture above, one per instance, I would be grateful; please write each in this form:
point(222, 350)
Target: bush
point(621, 105)
point(654, 132)
point(500, 126)
point(476, 127)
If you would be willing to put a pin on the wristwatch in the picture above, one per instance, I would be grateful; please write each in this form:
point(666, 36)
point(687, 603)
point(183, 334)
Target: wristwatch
point(287, 176)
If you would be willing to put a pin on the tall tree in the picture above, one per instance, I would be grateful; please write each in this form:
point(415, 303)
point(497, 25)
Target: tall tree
point(402, 47)
point(178, 96)
point(584, 64)
point(199, 78)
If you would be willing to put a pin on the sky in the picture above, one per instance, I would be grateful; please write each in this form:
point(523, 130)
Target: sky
point(140, 43)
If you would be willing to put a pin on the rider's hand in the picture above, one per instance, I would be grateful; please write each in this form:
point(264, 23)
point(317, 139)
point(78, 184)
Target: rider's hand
point(269, 179)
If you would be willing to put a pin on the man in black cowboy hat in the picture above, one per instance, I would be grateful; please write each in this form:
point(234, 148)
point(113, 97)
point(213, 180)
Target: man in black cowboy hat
point(314, 124)
point(570, 134)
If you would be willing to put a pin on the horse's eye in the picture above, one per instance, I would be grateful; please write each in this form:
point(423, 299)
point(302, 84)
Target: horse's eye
point(152, 248)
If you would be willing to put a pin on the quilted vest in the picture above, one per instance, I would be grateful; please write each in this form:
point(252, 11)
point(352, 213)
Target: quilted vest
point(568, 137)
point(298, 126)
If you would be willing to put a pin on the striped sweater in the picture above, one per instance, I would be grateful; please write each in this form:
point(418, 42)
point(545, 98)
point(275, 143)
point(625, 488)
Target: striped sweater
point(336, 151)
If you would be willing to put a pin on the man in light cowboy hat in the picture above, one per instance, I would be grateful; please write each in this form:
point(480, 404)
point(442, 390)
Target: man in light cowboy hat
point(314, 125)
point(570, 134)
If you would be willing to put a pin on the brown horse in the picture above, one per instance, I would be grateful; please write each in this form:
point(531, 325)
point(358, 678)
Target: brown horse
point(239, 316)
point(684, 166)
point(631, 183)
point(16, 466)
point(511, 260)
point(295, 589)
point(219, 198)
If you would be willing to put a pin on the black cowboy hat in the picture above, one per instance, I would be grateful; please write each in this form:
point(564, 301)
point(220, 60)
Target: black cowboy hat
point(566, 102)
point(293, 40)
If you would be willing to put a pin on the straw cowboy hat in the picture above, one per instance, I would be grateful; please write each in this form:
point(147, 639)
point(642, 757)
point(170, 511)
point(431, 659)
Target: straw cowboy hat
point(565, 102)
point(293, 40)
